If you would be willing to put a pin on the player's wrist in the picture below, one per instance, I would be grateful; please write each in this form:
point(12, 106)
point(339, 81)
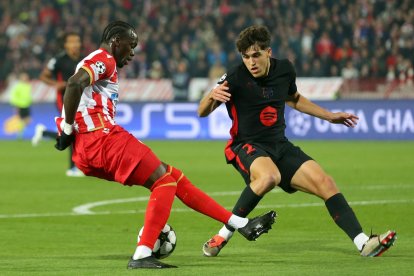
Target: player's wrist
point(67, 128)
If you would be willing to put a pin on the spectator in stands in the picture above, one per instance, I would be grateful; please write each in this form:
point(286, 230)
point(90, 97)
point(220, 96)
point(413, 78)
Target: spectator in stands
point(203, 31)
point(181, 81)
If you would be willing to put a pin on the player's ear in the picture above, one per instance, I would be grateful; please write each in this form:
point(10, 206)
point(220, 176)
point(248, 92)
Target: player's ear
point(115, 40)
point(269, 52)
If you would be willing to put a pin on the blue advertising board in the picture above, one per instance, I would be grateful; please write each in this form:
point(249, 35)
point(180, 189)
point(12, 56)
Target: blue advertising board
point(379, 120)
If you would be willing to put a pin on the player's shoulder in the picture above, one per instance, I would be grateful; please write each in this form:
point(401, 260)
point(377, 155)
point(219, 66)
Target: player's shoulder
point(234, 73)
point(282, 67)
point(60, 55)
point(100, 62)
point(102, 55)
point(283, 64)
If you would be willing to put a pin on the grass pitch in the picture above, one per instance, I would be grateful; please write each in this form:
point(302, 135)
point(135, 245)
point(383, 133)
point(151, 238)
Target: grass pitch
point(42, 232)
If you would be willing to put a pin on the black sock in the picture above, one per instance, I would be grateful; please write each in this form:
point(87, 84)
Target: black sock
point(343, 215)
point(248, 200)
point(50, 134)
point(72, 164)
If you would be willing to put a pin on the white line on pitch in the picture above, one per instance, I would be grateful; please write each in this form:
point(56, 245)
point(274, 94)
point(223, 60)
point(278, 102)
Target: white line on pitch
point(300, 205)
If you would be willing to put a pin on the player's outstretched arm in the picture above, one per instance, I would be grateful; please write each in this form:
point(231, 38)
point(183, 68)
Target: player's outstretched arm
point(302, 104)
point(213, 99)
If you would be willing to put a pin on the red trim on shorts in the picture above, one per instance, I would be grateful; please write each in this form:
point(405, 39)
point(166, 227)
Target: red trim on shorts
point(240, 164)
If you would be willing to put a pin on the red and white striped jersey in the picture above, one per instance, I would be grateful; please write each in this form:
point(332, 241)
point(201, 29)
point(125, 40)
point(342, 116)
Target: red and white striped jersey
point(97, 105)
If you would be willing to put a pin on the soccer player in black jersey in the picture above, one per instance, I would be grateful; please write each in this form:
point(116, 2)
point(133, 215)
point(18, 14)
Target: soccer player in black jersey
point(58, 70)
point(255, 93)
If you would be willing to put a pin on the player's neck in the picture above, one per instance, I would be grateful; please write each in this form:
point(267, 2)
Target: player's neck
point(106, 47)
point(267, 68)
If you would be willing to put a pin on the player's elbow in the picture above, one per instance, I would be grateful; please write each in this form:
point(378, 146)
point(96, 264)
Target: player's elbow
point(73, 83)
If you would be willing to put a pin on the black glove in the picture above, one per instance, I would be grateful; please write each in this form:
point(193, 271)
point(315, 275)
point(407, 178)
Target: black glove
point(63, 141)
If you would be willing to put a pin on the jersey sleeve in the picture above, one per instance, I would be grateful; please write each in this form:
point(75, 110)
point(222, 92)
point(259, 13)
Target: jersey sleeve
point(99, 67)
point(230, 78)
point(292, 75)
point(52, 66)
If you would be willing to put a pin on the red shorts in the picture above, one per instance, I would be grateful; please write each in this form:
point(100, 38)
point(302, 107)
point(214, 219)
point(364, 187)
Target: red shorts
point(113, 155)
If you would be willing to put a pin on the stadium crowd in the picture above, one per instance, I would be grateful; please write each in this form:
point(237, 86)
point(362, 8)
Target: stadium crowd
point(349, 38)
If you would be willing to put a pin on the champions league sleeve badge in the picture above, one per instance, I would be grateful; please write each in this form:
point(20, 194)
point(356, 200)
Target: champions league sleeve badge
point(100, 67)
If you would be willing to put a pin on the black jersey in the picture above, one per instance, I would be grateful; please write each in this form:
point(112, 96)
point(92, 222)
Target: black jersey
point(257, 105)
point(62, 67)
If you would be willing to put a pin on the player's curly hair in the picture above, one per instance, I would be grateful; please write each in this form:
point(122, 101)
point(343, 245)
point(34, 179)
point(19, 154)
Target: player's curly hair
point(252, 35)
point(118, 27)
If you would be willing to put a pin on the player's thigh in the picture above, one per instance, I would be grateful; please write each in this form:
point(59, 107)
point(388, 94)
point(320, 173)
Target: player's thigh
point(147, 171)
point(254, 162)
point(264, 168)
point(311, 178)
point(246, 155)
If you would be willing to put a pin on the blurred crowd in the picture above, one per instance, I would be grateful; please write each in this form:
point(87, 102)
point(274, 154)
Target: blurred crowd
point(349, 38)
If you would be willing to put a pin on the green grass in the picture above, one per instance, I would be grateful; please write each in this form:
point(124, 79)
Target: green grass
point(41, 236)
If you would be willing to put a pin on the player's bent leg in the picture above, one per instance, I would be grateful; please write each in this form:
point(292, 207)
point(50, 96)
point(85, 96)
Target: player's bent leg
point(196, 199)
point(163, 189)
point(312, 179)
point(264, 175)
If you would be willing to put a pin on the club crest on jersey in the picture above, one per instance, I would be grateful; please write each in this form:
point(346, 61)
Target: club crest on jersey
point(100, 66)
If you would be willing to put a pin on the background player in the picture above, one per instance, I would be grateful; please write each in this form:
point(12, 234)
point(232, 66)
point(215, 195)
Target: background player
point(105, 150)
point(56, 73)
point(255, 93)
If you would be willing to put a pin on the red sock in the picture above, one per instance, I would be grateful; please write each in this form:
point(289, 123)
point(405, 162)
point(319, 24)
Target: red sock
point(196, 199)
point(158, 209)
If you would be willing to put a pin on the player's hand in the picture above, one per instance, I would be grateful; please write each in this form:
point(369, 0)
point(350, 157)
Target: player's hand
point(63, 141)
point(347, 119)
point(66, 137)
point(220, 93)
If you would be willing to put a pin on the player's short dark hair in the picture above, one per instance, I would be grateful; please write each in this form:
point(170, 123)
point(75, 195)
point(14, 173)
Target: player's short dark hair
point(118, 27)
point(252, 35)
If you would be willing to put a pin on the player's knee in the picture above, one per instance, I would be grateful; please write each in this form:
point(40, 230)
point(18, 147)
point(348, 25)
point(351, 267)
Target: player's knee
point(267, 181)
point(326, 186)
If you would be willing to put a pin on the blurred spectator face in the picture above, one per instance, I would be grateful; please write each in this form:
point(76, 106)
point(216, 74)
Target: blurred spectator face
point(257, 60)
point(24, 77)
point(72, 45)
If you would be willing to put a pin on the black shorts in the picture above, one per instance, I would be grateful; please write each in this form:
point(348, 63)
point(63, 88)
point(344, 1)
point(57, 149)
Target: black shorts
point(287, 157)
point(24, 112)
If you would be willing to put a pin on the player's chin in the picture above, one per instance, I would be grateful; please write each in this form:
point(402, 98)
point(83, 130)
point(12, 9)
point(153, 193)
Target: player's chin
point(120, 65)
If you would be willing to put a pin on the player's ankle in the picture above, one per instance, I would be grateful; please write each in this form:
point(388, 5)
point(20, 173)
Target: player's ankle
point(225, 233)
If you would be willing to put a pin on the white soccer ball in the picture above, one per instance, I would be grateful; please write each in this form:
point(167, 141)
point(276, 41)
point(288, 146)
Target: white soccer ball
point(165, 243)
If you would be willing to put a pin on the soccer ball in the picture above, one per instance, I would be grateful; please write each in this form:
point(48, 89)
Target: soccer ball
point(165, 243)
